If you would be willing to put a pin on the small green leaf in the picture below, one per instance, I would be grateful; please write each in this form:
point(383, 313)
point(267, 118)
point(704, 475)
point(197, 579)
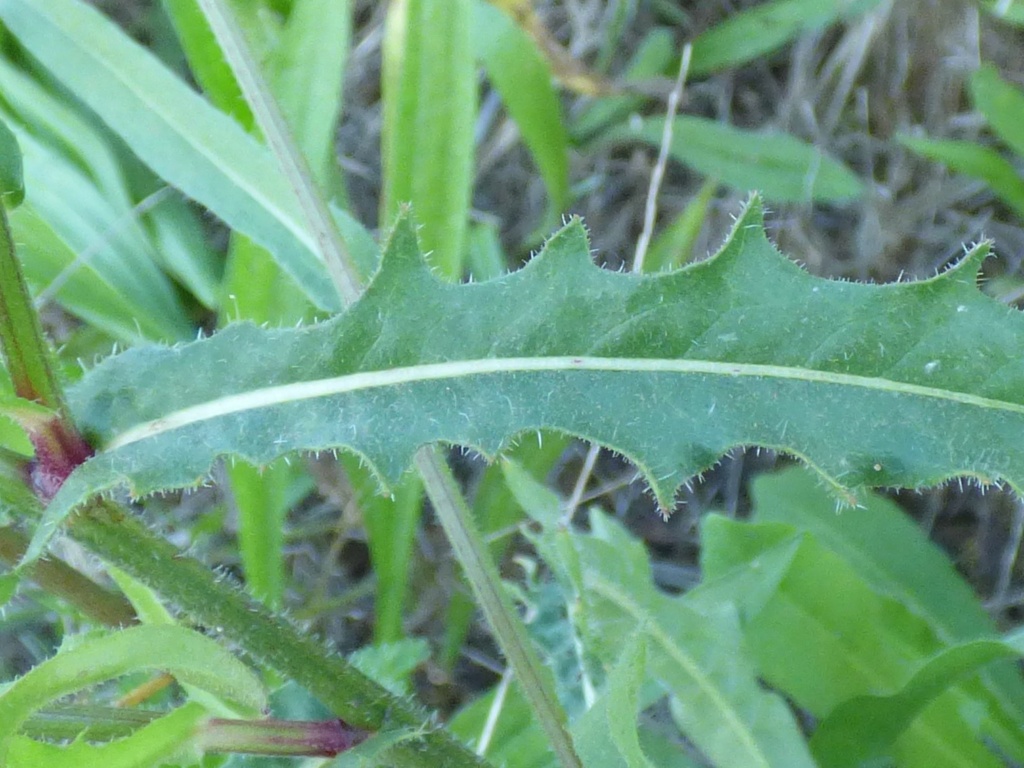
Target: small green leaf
point(782, 167)
point(12, 184)
point(392, 664)
point(891, 553)
point(606, 736)
point(864, 728)
point(977, 161)
point(1002, 105)
point(748, 34)
point(823, 652)
point(700, 659)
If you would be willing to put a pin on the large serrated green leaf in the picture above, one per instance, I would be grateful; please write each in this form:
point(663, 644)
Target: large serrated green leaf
point(902, 385)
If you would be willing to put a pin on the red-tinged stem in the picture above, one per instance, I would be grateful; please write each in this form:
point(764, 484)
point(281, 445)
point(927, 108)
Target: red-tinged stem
point(285, 738)
point(59, 447)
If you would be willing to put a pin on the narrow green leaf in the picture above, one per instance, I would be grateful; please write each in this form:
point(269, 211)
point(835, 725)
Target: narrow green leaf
point(187, 655)
point(653, 58)
point(977, 161)
point(260, 496)
point(86, 293)
point(1001, 104)
point(184, 250)
point(762, 29)
point(520, 73)
point(99, 252)
point(782, 167)
point(673, 247)
point(391, 524)
point(55, 121)
point(429, 91)
point(206, 60)
point(172, 129)
point(12, 183)
point(683, 342)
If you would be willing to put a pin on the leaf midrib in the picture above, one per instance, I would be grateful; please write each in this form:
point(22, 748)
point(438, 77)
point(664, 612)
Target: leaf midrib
point(266, 397)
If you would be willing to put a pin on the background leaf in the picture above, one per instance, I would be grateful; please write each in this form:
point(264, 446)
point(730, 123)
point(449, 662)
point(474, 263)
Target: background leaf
point(429, 94)
point(172, 129)
point(756, 31)
point(977, 161)
point(780, 166)
point(520, 73)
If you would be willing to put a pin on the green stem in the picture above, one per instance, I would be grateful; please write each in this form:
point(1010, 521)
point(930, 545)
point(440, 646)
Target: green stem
point(24, 347)
point(120, 539)
point(70, 722)
point(57, 577)
point(457, 521)
point(59, 447)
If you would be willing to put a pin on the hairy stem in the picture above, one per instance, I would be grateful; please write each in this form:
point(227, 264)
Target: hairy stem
point(457, 521)
point(221, 606)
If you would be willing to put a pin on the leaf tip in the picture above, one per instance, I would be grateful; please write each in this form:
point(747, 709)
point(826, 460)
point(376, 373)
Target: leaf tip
point(401, 252)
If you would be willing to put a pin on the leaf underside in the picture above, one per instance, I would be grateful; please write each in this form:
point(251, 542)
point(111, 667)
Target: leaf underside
point(893, 385)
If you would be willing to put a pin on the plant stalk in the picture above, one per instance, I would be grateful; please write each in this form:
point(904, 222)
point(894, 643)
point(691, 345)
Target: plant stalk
point(457, 521)
point(25, 349)
point(57, 577)
point(117, 537)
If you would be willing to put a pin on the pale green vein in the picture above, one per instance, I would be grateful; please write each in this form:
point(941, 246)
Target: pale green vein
point(308, 390)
